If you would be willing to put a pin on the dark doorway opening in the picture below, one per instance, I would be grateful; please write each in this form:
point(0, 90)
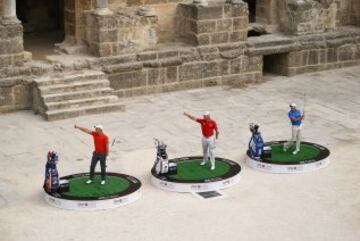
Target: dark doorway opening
point(43, 24)
point(252, 10)
point(275, 64)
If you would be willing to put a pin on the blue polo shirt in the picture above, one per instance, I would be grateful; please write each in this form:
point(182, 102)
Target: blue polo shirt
point(295, 114)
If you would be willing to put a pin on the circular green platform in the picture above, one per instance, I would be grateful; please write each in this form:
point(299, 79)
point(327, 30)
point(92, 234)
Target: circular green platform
point(192, 170)
point(307, 152)
point(79, 188)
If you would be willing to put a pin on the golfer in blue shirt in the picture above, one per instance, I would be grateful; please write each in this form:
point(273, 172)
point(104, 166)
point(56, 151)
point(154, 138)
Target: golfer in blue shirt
point(296, 118)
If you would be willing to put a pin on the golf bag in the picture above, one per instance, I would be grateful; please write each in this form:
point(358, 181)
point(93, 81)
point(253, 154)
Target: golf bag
point(51, 183)
point(162, 164)
point(256, 145)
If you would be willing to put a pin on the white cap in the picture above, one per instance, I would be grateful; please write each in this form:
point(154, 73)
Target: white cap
point(99, 127)
point(207, 113)
point(292, 105)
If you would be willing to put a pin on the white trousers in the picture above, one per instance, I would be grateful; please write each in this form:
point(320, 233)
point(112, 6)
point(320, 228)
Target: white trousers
point(295, 136)
point(209, 145)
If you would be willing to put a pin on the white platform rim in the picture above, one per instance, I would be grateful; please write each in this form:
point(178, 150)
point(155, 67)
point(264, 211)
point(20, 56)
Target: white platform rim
point(195, 186)
point(286, 168)
point(92, 205)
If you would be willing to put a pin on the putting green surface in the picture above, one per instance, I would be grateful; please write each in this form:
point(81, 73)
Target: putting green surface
point(307, 152)
point(191, 170)
point(79, 188)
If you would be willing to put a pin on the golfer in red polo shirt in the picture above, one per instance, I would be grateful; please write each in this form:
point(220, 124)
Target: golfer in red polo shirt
point(208, 126)
point(101, 143)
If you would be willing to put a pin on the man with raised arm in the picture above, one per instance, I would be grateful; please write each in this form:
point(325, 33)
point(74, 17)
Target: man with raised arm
point(101, 143)
point(296, 118)
point(208, 126)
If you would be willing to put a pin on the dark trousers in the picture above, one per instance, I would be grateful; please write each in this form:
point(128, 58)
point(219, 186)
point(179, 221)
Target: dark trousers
point(95, 158)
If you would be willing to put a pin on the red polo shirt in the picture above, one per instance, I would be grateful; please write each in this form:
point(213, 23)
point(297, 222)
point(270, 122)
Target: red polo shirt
point(207, 127)
point(100, 142)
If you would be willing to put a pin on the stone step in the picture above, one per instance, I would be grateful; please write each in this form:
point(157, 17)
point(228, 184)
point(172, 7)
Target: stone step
point(77, 95)
point(76, 86)
point(74, 112)
point(70, 104)
point(71, 77)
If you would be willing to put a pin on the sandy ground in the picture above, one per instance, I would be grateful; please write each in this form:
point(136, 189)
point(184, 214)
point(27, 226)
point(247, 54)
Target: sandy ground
point(321, 205)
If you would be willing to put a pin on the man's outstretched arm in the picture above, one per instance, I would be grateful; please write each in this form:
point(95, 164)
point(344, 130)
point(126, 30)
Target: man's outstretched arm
point(190, 116)
point(83, 129)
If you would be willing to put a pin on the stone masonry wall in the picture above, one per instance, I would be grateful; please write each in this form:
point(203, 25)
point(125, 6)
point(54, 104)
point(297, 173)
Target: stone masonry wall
point(118, 32)
point(318, 53)
point(217, 23)
point(307, 17)
point(229, 64)
point(161, 71)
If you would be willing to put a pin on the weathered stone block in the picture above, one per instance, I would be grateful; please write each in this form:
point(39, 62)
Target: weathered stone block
point(236, 10)
point(218, 38)
point(208, 12)
point(22, 95)
point(105, 36)
point(235, 65)
point(255, 64)
point(172, 74)
point(210, 69)
point(5, 60)
point(208, 53)
point(202, 39)
point(332, 55)
point(104, 49)
point(6, 96)
point(168, 54)
point(153, 76)
point(313, 57)
point(240, 24)
point(347, 52)
point(294, 59)
point(204, 26)
point(128, 80)
point(224, 25)
point(134, 2)
point(238, 36)
point(224, 67)
point(212, 82)
point(191, 71)
point(144, 56)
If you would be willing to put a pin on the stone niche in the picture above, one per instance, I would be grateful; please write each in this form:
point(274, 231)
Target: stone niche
point(217, 23)
point(119, 32)
point(301, 17)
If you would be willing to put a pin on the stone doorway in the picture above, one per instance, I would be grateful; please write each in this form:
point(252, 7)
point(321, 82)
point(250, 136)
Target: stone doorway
point(43, 25)
point(275, 64)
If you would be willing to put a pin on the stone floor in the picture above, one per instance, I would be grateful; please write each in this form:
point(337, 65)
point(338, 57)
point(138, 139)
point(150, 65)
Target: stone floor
point(321, 205)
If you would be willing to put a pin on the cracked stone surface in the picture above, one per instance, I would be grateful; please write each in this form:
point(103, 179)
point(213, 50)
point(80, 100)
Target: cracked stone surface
point(321, 205)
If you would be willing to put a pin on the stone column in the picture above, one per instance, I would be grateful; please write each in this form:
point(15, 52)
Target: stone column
point(9, 12)
point(102, 7)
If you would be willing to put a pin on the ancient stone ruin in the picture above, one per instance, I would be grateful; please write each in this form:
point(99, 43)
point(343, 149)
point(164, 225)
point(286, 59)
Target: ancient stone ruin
point(73, 57)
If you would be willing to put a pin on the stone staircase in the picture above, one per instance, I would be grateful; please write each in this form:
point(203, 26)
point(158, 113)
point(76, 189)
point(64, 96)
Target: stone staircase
point(74, 93)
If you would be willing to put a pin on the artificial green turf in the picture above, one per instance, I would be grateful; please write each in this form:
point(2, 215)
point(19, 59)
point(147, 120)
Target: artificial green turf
point(307, 152)
point(114, 184)
point(191, 170)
